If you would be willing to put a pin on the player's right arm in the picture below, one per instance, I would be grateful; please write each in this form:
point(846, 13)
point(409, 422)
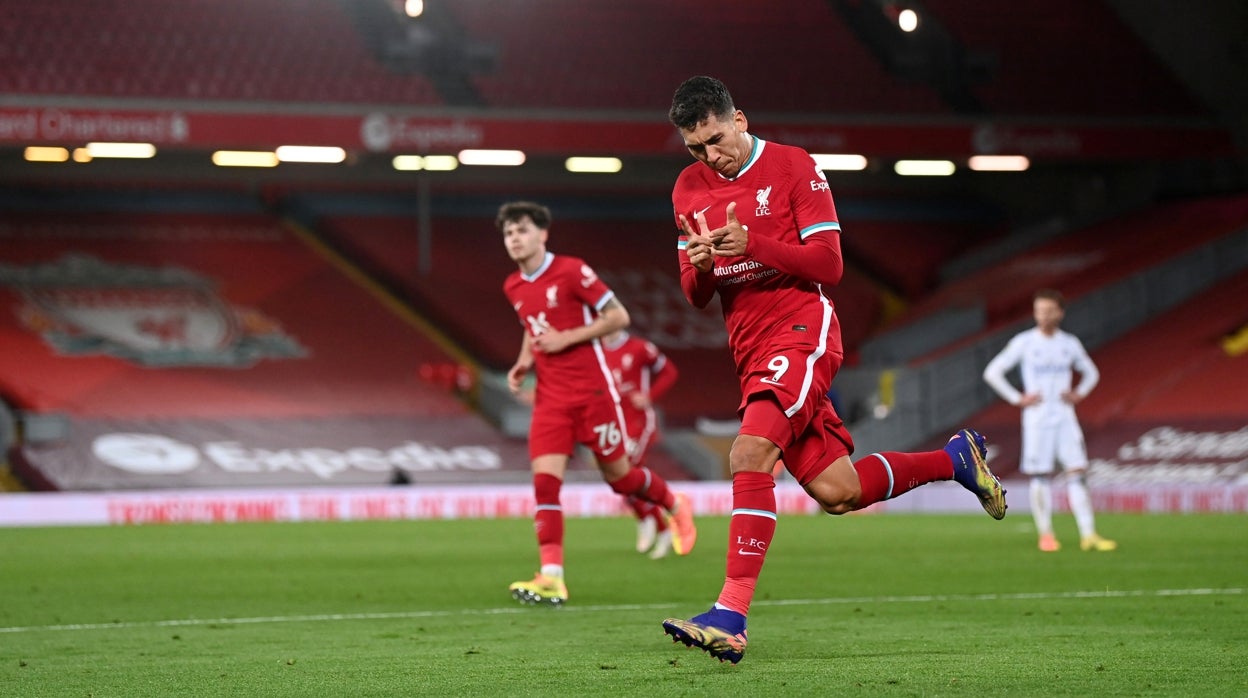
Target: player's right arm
point(817, 259)
point(697, 262)
point(994, 372)
point(524, 362)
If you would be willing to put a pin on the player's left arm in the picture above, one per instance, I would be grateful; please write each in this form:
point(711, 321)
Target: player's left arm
point(663, 373)
point(818, 256)
point(612, 316)
point(817, 259)
point(1089, 375)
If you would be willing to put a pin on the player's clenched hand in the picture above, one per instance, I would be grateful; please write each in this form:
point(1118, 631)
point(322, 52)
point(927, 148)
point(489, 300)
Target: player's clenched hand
point(730, 240)
point(551, 342)
point(698, 245)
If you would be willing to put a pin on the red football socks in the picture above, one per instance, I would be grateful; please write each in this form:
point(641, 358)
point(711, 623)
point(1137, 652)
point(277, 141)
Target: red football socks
point(750, 531)
point(644, 484)
point(889, 474)
point(641, 509)
point(548, 518)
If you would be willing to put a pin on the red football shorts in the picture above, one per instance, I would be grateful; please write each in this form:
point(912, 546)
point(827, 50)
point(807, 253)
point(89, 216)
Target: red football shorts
point(784, 400)
point(810, 451)
point(596, 424)
point(643, 431)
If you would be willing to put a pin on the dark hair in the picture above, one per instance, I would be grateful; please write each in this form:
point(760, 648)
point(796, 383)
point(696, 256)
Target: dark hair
point(515, 210)
point(1049, 294)
point(697, 99)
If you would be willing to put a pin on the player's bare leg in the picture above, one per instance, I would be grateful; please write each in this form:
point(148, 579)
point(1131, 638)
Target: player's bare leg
point(846, 485)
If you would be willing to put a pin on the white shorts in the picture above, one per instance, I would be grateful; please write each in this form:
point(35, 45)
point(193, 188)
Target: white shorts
point(1046, 445)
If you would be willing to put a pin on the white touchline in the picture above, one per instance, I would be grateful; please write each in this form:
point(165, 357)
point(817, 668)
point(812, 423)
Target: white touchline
point(401, 615)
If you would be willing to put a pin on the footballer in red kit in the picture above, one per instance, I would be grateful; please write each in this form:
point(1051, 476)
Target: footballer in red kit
point(782, 326)
point(759, 229)
point(564, 311)
point(643, 374)
point(561, 294)
point(778, 195)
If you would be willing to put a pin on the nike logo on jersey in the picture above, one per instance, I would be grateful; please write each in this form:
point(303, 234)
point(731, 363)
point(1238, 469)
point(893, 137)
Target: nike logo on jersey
point(702, 212)
point(741, 551)
point(770, 381)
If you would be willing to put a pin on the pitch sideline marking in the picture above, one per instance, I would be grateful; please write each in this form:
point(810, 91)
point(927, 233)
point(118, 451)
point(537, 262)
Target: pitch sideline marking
point(326, 617)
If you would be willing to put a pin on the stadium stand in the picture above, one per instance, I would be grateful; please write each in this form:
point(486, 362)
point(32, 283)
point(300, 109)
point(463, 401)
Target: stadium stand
point(224, 51)
point(929, 244)
point(228, 338)
point(205, 51)
point(1037, 49)
point(469, 264)
point(1077, 262)
point(944, 386)
point(252, 262)
point(386, 376)
point(633, 54)
point(1195, 370)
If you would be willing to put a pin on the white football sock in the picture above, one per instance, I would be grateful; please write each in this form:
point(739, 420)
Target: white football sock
point(1042, 504)
point(1081, 505)
point(553, 571)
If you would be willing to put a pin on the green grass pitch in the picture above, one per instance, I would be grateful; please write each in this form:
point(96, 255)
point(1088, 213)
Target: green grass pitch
point(870, 605)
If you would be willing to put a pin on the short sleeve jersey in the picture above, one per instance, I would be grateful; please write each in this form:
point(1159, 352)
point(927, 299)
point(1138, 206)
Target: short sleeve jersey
point(633, 362)
point(562, 294)
point(780, 194)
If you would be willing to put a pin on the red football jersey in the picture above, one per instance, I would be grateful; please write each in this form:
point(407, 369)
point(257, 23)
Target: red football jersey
point(562, 294)
point(638, 366)
point(780, 194)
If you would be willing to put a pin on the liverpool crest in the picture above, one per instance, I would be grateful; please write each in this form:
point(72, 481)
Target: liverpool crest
point(153, 316)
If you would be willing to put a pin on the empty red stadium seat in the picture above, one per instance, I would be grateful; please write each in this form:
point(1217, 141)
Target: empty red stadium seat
point(255, 50)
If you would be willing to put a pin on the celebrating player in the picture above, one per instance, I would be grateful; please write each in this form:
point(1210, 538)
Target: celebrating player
point(565, 309)
point(1051, 431)
point(760, 229)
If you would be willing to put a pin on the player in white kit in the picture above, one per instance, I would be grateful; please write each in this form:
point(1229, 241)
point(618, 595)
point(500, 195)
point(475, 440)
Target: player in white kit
point(1051, 432)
